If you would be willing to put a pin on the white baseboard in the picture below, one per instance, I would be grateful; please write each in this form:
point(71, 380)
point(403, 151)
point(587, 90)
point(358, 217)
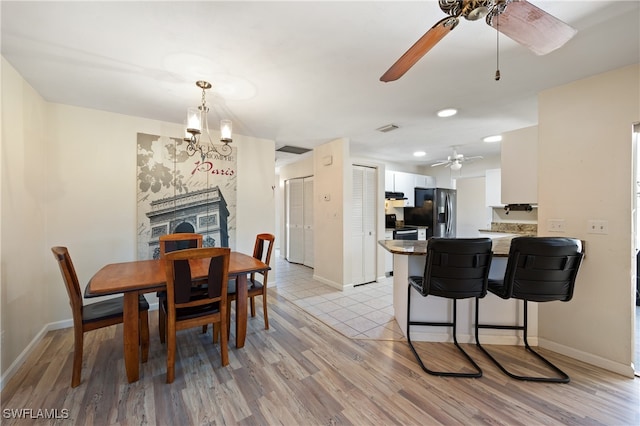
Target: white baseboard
point(15, 365)
point(607, 364)
point(21, 359)
point(330, 283)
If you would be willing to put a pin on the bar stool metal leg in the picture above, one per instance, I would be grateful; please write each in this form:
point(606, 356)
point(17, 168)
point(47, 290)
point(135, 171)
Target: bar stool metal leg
point(562, 376)
point(478, 371)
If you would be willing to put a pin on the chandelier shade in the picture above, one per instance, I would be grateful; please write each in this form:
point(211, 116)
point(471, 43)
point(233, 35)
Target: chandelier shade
point(198, 137)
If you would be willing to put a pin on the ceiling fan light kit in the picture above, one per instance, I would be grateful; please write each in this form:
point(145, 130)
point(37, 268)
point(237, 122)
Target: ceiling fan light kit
point(454, 162)
point(519, 20)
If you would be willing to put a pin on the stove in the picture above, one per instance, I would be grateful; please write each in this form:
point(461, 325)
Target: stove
point(405, 233)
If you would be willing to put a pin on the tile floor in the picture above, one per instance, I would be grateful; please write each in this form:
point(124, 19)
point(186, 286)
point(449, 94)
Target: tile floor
point(362, 312)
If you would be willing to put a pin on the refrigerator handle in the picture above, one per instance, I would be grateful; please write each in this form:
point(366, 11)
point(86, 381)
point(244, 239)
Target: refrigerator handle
point(448, 208)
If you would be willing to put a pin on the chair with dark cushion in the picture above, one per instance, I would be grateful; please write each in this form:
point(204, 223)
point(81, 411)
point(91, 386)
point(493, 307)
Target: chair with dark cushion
point(95, 315)
point(169, 243)
point(455, 268)
point(539, 269)
point(261, 250)
point(185, 309)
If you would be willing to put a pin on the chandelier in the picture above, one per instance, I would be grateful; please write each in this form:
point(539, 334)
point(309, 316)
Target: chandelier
point(198, 137)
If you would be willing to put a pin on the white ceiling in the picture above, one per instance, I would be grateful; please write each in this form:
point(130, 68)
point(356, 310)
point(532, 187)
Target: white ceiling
point(304, 73)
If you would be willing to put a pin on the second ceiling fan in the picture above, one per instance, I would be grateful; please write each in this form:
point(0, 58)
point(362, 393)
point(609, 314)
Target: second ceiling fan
point(519, 20)
point(455, 161)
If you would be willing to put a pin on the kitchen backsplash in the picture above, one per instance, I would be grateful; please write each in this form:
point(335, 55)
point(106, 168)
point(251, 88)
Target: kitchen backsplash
point(515, 228)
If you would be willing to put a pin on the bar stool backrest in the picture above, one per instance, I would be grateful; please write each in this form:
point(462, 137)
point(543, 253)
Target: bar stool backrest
point(457, 267)
point(542, 269)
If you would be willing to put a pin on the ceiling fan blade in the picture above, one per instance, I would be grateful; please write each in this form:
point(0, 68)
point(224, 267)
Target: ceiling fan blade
point(475, 157)
point(441, 163)
point(419, 49)
point(532, 27)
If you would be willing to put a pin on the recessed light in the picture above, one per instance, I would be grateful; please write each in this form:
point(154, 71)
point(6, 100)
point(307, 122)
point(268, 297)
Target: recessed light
point(448, 112)
point(495, 138)
point(419, 154)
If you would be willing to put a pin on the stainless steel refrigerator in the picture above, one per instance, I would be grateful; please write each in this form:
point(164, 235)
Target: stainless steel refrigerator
point(435, 208)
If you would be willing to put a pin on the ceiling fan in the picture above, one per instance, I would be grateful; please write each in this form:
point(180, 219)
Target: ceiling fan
point(455, 161)
point(519, 20)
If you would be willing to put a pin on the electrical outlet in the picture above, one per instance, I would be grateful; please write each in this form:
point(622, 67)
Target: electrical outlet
point(598, 227)
point(556, 225)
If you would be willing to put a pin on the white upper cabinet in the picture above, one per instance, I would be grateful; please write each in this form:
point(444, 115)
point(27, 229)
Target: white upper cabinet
point(388, 181)
point(493, 191)
point(519, 166)
point(406, 183)
point(423, 181)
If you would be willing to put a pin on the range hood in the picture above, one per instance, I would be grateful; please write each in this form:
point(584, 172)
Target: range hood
point(389, 195)
point(517, 208)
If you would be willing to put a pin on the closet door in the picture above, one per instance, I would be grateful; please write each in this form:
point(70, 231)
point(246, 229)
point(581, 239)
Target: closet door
point(294, 192)
point(307, 219)
point(370, 247)
point(363, 229)
point(357, 229)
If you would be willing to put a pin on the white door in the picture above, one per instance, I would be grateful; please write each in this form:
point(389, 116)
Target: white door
point(294, 220)
point(364, 225)
point(307, 220)
point(299, 220)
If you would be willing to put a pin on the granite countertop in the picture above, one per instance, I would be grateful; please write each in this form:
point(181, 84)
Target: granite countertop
point(528, 229)
point(419, 247)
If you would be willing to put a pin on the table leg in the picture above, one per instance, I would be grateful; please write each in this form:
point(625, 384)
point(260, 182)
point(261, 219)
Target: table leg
point(241, 310)
point(131, 336)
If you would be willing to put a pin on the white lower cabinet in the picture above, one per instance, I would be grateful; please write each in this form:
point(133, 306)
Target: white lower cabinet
point(388, 257)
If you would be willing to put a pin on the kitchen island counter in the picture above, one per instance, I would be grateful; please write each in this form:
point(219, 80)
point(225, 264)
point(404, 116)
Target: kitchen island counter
point(409, 260)
point(500, 246)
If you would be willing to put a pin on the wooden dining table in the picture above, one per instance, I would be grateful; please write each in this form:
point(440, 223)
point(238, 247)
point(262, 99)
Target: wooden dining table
point(146, 276)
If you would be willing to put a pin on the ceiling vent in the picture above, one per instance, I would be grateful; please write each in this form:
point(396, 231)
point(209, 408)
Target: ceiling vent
point(387, 128)
point(293, 149)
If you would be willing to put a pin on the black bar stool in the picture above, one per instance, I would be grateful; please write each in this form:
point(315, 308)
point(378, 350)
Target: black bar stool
point(454, 269)
point(539, 269)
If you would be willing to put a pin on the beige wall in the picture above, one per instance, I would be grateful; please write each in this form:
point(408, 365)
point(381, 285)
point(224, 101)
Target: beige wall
point(332, 217)
point(25, 299)
point(585, 172)
point(68, 178)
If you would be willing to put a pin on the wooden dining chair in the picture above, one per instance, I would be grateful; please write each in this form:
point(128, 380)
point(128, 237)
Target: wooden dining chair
point(256, 285)
point(169, 243)
point(185, 309)
point(179, 241)
point(95, 315)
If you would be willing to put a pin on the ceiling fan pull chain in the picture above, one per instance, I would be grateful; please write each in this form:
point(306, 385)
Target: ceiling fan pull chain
point(497, 48)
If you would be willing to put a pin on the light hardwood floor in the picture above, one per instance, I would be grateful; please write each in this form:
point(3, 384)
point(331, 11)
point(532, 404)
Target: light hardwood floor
point(302, 372)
